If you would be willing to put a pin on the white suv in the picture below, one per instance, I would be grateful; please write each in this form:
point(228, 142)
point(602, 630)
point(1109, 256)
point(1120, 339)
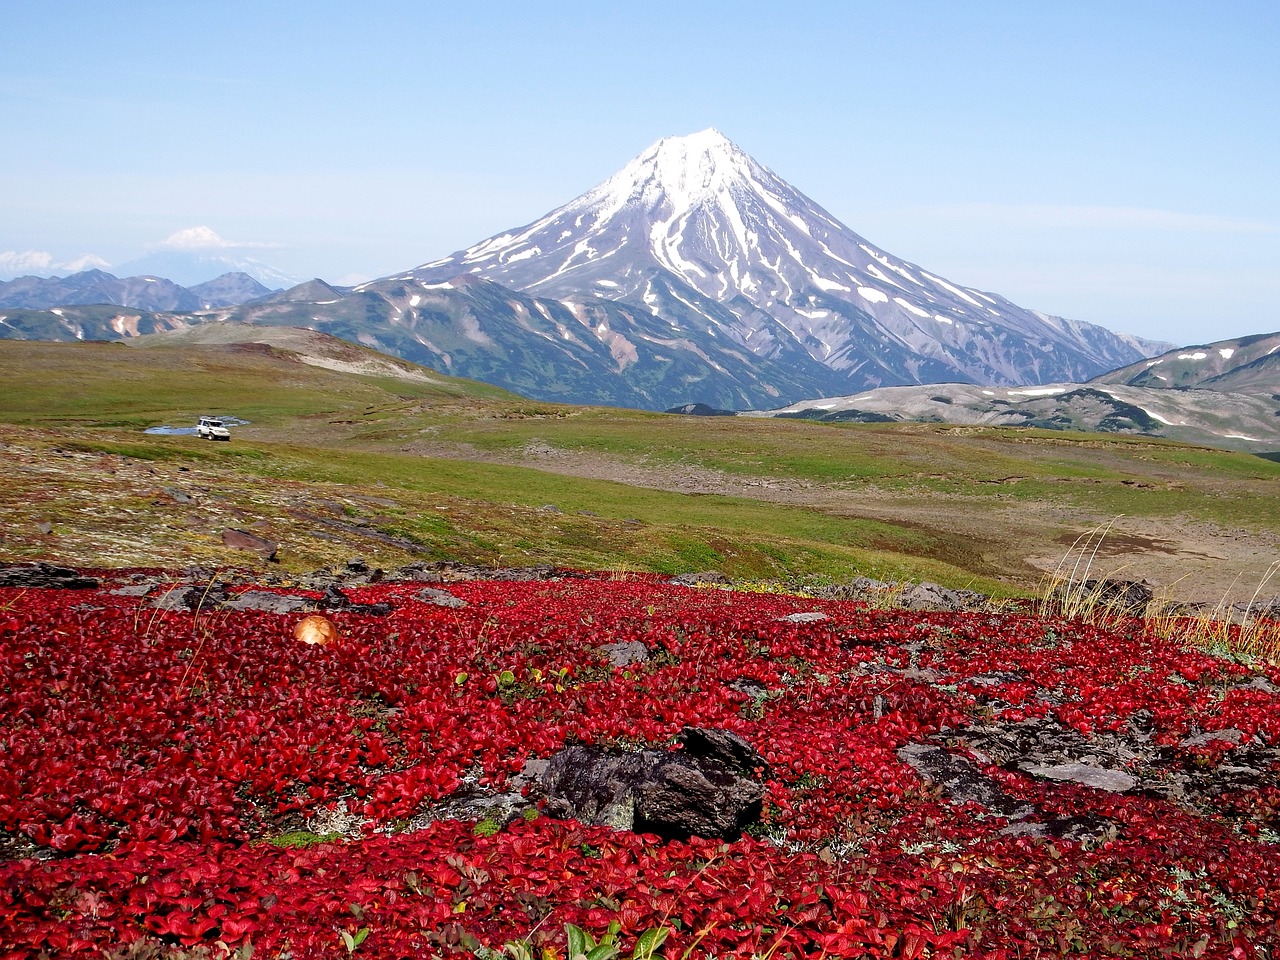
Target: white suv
point(211, 428)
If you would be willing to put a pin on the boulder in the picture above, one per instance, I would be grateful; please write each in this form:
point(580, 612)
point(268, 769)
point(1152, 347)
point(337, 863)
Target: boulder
point(193, 597)
point(440, 598)
point(708, 789)
point(474, 803)
point(811, 616)
point(132, 590)
point(1086, 774)
point(727, 749)
point(625, 652)
point(1128, 598)
point(1261, 683)
point(419, 572)
point(244, 540)
point(263, 602)
point(706, 577)
point(1079, 829)
point(334, 599)
point(960, 780)
point(859, 588)
point(177, 496)
point(1257, 609)
point(1229, 737)
point(933, 596)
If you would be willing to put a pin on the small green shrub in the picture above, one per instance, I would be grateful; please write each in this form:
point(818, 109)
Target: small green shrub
point(486, 827)
point(300, 839)
point(583, 946)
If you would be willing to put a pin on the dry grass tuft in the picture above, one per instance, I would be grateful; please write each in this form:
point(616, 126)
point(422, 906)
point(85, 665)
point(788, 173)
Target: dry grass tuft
point(1243, 630)
point(1239, 630)
point(1072, 593)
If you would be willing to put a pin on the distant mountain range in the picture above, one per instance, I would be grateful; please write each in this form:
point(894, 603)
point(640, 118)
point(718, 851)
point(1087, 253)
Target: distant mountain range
point(192, 268)
point(147, 292)
point(694, 275)
point(1224, 394)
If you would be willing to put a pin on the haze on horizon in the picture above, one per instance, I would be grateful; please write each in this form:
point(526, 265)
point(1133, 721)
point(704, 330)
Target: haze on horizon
point(1109, 163)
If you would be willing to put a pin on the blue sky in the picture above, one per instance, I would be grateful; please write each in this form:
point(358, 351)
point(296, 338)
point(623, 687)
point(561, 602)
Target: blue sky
point(1113, 162)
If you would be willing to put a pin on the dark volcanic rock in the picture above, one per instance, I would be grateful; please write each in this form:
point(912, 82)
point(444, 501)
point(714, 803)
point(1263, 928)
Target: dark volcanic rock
point(811, 616)
point(417, 572)
point(1228, 737)
point(962, 782)
point(195, 596)
point(473, 803)
point(1257, 609)
point(705, 790)
point(1100, 778)
point(859, 588)
point(192, 597)
point(133, 590)
point(909, 596)
point(1124, 597)
point(444, 571)
point(335, 599)
point(177, 496)
point(45, 576)
point(729, 749)
point(960, 779)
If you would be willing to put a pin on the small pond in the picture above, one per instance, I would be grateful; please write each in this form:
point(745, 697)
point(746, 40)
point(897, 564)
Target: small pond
point(191, 430)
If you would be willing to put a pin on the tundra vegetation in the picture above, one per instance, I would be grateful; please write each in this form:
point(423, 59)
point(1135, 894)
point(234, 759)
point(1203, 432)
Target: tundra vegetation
point(188, 780)
point(199, 784)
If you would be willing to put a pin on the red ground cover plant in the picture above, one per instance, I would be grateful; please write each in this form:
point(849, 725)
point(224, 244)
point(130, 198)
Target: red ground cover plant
point(149, 757)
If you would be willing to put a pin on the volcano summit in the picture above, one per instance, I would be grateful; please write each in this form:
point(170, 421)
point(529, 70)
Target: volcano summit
point(731, 258)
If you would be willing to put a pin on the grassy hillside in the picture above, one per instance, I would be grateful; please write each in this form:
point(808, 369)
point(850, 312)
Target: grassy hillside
point(378, 458)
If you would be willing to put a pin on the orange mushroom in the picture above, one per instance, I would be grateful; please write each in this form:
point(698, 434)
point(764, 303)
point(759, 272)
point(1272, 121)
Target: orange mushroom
point(316, 630)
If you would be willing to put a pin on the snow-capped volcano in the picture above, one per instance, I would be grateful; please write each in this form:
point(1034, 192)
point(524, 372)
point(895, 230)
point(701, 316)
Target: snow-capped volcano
point(715, 245)
point(696, 206)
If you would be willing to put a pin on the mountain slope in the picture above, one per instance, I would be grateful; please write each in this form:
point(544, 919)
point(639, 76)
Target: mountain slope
point(228, 290)
point(576, 351)
point(694, 228)
point(1241, 365)
point(87, 322)
point(1233, 421)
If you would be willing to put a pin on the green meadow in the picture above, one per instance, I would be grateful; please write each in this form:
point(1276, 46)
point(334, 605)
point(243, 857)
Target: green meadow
point(395, 467)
